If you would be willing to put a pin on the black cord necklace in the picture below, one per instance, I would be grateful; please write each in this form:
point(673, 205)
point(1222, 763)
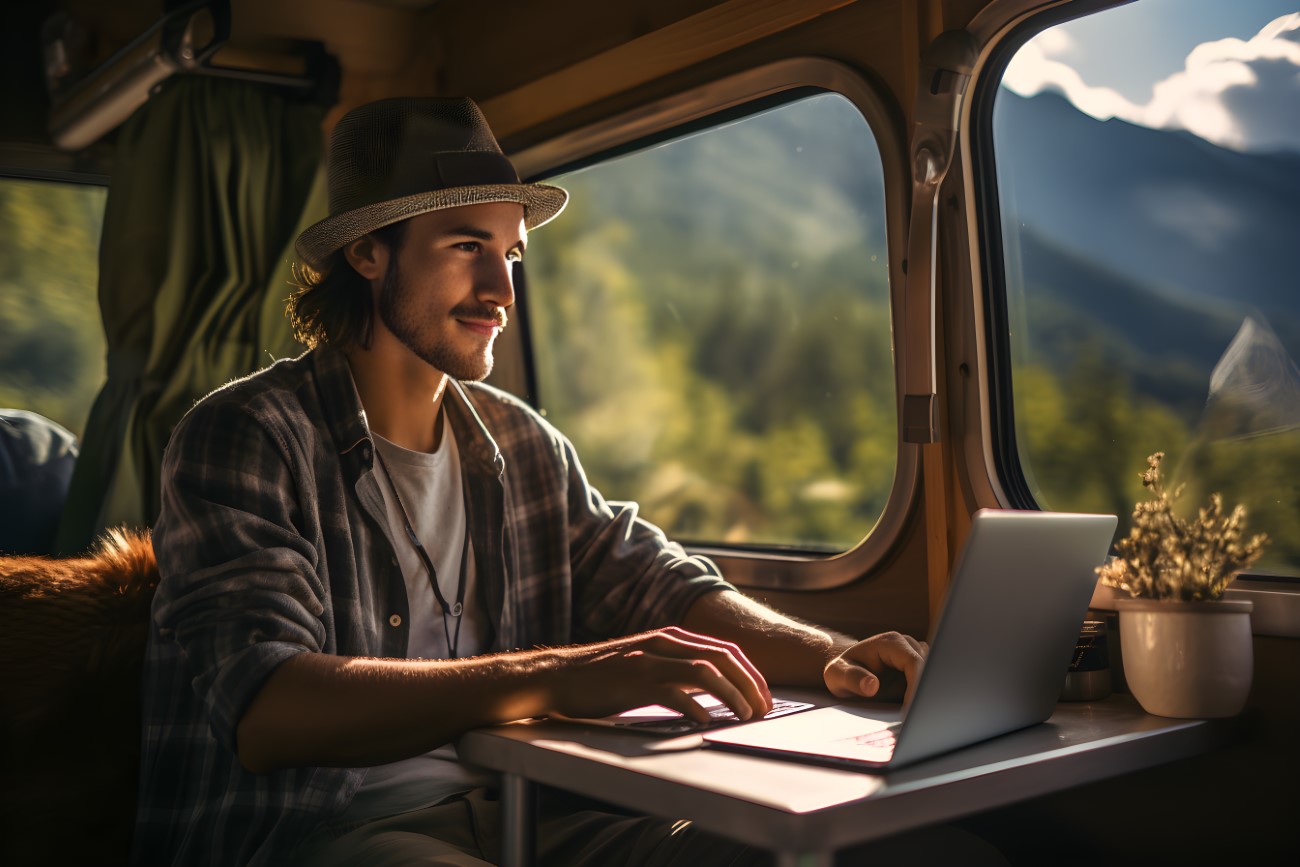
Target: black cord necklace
point(459, 607)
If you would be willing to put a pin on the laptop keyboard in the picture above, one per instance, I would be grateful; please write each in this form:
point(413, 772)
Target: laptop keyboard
point(883, 738)
point(718, 716)
point(780, 707)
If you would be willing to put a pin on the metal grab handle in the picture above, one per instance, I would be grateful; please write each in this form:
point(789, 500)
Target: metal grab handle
point(945, 72)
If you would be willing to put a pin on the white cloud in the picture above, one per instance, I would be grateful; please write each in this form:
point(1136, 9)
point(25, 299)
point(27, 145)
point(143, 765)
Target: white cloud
point(1056, 42)
point(1242, 94)
point(1034, 69)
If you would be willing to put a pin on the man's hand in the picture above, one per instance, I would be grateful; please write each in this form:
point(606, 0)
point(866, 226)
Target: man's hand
point(874, 667)
point(317, 709)
point(656, 667)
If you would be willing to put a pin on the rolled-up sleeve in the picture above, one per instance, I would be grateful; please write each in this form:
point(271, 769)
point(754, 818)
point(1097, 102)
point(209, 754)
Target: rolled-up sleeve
point(239, 591)
point(627, 575)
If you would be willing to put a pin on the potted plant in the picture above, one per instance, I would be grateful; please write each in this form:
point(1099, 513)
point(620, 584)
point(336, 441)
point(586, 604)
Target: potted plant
point(1186, 649)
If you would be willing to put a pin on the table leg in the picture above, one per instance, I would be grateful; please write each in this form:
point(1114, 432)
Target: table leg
point(804, 859)
point(518, 820)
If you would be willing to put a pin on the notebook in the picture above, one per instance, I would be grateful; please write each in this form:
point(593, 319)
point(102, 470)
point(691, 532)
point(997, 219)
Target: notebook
point(998, 655)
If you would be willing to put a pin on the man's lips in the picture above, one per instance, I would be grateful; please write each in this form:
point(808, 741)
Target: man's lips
point(485, 327)
point(486, 321)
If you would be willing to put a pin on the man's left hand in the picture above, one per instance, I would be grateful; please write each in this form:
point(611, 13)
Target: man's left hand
point(871, 667)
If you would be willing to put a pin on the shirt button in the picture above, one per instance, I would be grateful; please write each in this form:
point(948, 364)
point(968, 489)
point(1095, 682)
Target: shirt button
point(365, 452)
point(395, 621)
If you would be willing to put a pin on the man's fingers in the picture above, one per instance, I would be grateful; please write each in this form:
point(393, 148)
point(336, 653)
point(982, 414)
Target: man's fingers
point(846, 680)
point(702, 675)
point(890, 649)
point(877, 667)
point(677, 641)
point(662, 667)
point(727, 658)
point(675, 699)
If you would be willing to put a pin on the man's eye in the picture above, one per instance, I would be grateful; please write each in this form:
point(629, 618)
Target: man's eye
point(470, 246)
point(515, 256)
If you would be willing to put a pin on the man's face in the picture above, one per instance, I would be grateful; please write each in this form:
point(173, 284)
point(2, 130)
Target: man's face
point(444, 296)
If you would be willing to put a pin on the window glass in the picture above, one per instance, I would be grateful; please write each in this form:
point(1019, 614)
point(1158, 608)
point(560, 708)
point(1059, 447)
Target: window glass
point(1148, 171)
point(710, 325)
point(51, 339)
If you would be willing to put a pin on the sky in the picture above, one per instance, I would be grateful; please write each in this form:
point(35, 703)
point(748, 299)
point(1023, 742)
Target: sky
point(1226, 70)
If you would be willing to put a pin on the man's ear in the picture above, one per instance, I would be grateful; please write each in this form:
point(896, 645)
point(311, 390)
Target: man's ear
point(367, 256)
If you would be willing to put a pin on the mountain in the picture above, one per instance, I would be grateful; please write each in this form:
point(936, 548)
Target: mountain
point(800, 182)
point(1182, 216)
point(1076, 306)
point(1155, 244)
point(1148, 246)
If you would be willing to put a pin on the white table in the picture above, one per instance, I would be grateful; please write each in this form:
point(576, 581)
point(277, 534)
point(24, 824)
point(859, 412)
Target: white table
point(805, 813)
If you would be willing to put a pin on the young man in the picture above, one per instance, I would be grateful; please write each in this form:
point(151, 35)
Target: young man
point(365, 553)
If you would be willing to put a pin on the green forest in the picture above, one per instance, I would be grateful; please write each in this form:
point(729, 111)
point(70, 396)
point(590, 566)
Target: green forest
point(714, 334)
point(51, 337)
point(710, 320)
point(711, 324)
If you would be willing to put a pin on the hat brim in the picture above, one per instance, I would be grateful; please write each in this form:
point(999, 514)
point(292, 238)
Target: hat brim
point(542, 203)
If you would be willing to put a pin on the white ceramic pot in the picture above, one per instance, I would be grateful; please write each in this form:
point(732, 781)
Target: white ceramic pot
point(1187, 659)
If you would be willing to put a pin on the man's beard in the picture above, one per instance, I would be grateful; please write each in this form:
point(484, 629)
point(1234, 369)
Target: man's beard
point(397, 310)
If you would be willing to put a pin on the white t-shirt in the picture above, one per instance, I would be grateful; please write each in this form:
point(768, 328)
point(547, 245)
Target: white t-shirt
point(432, 491)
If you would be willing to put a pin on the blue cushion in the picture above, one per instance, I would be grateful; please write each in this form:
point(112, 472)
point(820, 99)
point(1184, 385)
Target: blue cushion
point(36, 460)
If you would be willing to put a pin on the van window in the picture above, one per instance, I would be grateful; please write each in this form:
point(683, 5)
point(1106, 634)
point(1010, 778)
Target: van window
point(710, 324)
point(51, 338)
point(1147, 166)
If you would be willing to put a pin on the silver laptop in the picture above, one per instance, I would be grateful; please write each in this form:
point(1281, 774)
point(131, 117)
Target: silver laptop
point(998, 652)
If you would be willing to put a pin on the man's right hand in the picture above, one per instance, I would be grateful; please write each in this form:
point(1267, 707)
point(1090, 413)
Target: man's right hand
point(660, 667)
point(317, 709)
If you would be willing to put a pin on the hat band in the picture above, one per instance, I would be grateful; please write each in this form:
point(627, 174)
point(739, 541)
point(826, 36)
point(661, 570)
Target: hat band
point(444, 171)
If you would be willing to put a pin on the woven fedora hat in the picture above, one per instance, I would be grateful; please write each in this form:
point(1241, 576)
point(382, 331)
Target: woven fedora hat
point(398, 158)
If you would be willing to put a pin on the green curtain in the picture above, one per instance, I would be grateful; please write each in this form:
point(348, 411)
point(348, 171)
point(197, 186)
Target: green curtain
point(212, 181)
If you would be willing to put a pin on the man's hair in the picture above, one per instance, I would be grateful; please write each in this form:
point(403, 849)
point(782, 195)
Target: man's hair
point(334, 305)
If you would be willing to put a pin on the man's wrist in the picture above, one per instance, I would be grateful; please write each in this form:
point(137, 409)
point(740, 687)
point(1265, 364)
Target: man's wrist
point(838, 644)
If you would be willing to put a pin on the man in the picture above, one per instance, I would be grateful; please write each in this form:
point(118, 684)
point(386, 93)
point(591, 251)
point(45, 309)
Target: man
point(365, 553)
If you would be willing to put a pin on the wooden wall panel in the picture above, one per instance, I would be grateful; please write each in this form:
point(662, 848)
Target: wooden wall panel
point(493, 46)
point(674, 48)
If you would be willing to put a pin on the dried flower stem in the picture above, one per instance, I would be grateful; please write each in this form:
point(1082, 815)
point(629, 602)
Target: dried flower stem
point(1166, 557)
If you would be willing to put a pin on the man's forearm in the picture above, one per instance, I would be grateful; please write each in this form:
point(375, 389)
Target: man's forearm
point(786, 651)
point(318, 709)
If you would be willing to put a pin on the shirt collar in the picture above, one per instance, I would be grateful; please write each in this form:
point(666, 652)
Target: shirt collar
point(346, 417)
point(340, 402)
point(471, 434)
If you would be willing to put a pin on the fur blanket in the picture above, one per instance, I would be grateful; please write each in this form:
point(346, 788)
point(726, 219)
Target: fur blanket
point(72, 638)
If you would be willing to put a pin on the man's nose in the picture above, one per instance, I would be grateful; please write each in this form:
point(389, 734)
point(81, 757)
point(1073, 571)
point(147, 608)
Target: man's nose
point(496, 284)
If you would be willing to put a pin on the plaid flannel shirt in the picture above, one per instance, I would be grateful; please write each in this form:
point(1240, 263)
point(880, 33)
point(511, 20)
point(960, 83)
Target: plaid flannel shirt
point(272, 541)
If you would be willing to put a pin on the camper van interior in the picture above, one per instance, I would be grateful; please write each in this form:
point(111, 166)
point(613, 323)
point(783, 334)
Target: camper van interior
point(833, 277)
